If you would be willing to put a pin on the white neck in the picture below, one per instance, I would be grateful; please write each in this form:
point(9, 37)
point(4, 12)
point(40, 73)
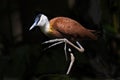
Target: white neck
point(44, 24)
point(45, 29)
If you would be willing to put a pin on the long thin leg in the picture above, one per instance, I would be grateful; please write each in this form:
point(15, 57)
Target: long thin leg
point(57, 42)
point(71, 62)
point(53, 45)
point(79, 44)
point(65, 46)
point(81, 49)
point(53, 40)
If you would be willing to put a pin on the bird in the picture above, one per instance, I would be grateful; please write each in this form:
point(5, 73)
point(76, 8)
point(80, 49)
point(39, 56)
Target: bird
point(63, 30)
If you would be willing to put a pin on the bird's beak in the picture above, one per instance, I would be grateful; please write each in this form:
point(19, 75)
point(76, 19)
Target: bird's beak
point(34, 25)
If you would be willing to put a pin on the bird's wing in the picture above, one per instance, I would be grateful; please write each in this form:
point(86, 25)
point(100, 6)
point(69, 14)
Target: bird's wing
point(70, 27)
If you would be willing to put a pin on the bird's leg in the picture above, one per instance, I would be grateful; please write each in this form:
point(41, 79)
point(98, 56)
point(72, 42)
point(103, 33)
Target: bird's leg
point(79, 45)
point(65, 46)
point(71, 62)
point(53, 40)
point(81, 49)
point(57, 42)
point(53, 45)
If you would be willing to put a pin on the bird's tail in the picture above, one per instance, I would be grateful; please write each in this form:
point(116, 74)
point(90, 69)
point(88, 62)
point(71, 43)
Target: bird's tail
point(92, 36)
point(95, 34)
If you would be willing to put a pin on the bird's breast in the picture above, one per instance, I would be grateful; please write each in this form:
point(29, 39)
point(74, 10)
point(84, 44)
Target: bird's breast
point(52, 33)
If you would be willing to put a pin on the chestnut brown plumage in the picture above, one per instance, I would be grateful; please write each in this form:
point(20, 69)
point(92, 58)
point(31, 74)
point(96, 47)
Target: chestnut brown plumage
point(64, 27)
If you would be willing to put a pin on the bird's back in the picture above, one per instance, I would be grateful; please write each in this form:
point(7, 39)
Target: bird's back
point(70, 28)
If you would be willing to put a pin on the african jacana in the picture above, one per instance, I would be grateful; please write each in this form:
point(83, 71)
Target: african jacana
point(65, 30)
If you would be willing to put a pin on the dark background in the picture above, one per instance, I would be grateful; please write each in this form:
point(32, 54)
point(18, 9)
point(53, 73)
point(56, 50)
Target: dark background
point(21, 53)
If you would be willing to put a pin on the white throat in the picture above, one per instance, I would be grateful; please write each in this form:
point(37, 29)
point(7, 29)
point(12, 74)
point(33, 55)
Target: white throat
point(46, 28)
point(44, 24)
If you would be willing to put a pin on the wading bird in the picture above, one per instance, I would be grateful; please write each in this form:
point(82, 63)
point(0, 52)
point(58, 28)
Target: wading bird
point(63, 30)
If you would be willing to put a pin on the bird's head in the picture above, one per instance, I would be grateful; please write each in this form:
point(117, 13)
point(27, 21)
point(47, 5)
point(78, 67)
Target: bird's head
point(41, 20)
